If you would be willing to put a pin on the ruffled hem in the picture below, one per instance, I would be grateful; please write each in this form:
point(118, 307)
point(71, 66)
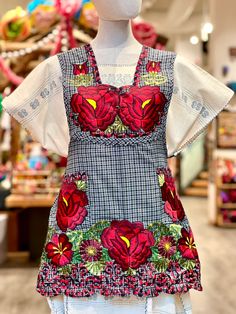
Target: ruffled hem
point(110, 285)
point(112, 292)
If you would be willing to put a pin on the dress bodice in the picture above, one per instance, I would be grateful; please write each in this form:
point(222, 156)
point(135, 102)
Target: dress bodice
point(125, 115)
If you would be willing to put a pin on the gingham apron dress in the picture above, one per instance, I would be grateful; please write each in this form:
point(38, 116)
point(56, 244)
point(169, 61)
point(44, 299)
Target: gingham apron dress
point(117, 227)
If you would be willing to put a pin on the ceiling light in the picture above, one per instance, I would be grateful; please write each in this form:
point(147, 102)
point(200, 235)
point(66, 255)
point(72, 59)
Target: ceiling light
point(194, 40)
point(207, 27)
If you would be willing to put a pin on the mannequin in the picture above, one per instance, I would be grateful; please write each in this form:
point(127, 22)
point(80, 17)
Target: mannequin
point(113, 47)
point(116, 51)
point(115, 44)
point(97, 110)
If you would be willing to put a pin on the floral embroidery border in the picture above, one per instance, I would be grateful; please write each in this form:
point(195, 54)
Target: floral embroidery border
point(119, 257)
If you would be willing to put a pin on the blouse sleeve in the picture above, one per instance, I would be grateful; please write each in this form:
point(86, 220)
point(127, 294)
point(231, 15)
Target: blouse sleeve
point(38, 105)
point(197, 99)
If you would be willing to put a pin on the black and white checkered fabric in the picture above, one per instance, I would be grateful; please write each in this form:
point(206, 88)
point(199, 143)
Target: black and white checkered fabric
point(122, 178)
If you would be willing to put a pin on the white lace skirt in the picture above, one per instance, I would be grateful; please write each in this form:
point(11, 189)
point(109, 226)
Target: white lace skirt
point(179, 303)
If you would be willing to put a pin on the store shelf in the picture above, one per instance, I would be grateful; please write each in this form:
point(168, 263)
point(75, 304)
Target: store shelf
point(24, 201)
point(221, 223)
point(227, 186)
point(227, 205)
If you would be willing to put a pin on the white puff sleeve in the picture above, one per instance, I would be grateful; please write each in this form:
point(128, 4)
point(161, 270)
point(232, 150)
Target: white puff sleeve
point(38, 105)
point(197, 99)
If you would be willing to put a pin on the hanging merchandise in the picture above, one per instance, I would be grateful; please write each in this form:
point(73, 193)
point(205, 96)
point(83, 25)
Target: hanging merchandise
point(15, 25)
point(65, 39)
point(43, 14)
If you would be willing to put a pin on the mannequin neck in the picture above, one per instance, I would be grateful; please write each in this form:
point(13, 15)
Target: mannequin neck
point(114, 34)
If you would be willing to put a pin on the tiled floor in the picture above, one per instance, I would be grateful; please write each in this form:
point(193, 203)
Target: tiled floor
point(217, 250)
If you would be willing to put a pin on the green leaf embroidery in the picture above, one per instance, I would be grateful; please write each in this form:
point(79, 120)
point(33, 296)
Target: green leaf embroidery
point(155, 254)
point(84, 80)
point(130, 272)
point(176, 231)
point(50, 233)
point(162, 230)
point(75, 237)
point(154, 79)
point(95, 268)
point(76, 258)
point(44, 257)
point(95, 231)
point(161, 265)
point(81, 185)
point(117, 126)
point(105, 256)
point(187, 264)
point(65, 270)
point(161, 179)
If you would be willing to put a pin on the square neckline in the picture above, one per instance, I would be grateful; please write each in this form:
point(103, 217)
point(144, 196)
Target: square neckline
point(141, 57)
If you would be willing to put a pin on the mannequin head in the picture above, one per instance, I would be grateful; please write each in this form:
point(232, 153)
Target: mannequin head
point(116, 10)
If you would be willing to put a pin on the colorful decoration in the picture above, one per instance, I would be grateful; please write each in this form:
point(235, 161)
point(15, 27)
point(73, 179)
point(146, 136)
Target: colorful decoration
point(15, 25)
point(118, 250)
point(43, 17)
point(145, 33)
point(65, 39)
point(33, 5)
point(89, 17)
point(39, 44)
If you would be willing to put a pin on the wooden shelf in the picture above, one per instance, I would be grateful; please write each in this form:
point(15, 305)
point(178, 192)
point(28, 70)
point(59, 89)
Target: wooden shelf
point(221, 223)
point(227, 186)
point(227, 205)
point(28, 201)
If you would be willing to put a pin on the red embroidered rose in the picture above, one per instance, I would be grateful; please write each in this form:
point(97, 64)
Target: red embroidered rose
point(173, 205)
point(59, 250)
point(96, 107)
point(128, 243)
point(71, 209)
point(186, 245)
point(141, 108)
point(80, 69)
point(153, 67)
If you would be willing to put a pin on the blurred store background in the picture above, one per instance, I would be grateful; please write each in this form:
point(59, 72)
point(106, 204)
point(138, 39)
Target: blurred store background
point(30, 176)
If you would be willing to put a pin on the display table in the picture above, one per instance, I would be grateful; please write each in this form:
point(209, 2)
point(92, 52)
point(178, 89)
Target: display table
point(28, 222)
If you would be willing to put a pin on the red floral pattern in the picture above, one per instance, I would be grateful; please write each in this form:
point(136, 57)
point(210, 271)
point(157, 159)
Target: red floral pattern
point(186, 245)
point(153, 67)
point(80, 69)
point(71, 209)
point(128, 243)
point(142, 109)
point(91, 250)
point(59, 250)
point(120, 258)
point(167, 246)
point(173, 206)
point(97, 107)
